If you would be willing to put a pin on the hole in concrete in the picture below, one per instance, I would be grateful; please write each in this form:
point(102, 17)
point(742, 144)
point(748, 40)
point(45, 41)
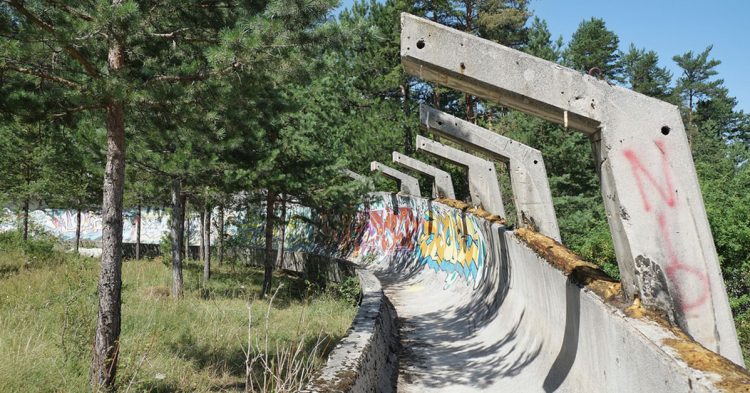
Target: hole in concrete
point(420, 44)
point(665, 130)
point(463, 66)
point(440, 123)
point(536, 162)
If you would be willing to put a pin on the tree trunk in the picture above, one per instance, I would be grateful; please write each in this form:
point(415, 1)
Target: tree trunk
point(207, 244)
point(220, 251)
point(470, 112)
point(186, 213)
point(268, 259)
point(408, 136)
point(78, 230)
point(282, 235)
point(138, 234)
point(107, 341)
point(202, 243)
point(26, 219)
point(178, 215)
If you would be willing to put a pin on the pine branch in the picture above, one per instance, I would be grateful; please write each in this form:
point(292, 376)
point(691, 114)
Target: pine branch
point(90, 69)
point(179, 78)
point(77, 109)
point(72, 11)
point(42, 74)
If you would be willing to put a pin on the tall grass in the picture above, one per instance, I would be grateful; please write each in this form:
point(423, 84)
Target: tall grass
point(48, 312)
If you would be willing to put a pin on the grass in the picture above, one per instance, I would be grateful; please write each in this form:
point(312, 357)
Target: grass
point(48, 313)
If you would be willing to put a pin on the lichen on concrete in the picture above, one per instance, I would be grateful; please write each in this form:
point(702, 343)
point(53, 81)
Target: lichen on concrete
point(477, 211)
point(580, 271)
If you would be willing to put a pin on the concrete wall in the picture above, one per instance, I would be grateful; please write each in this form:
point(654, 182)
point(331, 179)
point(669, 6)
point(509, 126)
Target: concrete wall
point(487, 309)
point(366, 359)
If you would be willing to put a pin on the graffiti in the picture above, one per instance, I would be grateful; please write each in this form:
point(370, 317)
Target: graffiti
point(667, 192)
point(680, 274)
point(436, 237)
point(452, 243)
point(389, 231)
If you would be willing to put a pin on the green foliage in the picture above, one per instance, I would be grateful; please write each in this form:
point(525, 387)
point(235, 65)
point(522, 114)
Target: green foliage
point(593, 46)
point(349, 290)
point(643, 74)
point(694, 84)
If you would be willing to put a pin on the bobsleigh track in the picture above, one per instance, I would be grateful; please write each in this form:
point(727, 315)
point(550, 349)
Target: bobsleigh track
point(483, 308)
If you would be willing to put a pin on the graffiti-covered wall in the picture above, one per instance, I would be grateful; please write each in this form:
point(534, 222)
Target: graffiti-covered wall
point(427, 235)
point(420, 233)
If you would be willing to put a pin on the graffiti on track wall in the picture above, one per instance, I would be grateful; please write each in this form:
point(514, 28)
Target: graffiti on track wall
point(411, 230)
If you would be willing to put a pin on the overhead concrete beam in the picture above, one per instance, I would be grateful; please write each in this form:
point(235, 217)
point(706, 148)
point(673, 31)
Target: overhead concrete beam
point(654, 205)
point(442, 186)
point(407, 184)
point(528, 175)
point(483, 186)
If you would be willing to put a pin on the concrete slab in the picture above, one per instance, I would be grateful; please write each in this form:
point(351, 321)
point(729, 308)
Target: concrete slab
point(528, 175)
point(483, 186)
point(654, 205)
point(407, 184)
point(442, 185)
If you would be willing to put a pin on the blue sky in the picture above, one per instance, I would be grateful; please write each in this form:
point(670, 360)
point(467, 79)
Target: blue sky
point(668, 27)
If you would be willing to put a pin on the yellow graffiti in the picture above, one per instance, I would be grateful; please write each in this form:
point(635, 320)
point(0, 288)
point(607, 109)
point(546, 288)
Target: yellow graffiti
point(452, 244)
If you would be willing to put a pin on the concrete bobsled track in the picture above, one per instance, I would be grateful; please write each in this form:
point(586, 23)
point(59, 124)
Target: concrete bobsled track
point(482, 308)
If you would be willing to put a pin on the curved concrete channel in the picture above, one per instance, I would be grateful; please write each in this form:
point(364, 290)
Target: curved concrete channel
point(484, 309)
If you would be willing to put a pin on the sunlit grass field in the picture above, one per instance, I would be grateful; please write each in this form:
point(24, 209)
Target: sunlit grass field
point(48, 312)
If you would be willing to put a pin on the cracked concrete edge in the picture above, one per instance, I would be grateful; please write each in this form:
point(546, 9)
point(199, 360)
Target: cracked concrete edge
point(365, 360)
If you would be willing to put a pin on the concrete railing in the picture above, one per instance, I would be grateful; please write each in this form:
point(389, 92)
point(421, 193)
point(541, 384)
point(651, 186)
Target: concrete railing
point(366, 359)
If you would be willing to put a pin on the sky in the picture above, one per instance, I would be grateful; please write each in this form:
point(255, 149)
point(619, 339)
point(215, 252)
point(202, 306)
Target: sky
point(668, 27)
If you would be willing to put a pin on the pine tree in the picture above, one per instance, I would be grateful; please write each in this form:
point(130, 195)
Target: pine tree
point(594, 49)
point(694, 84)
point(642, 73)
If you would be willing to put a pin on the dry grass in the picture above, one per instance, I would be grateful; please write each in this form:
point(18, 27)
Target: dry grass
point(47, 317)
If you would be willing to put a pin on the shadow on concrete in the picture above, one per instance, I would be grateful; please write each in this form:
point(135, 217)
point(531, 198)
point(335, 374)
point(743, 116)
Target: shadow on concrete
point(431, 356)
point(569, 348)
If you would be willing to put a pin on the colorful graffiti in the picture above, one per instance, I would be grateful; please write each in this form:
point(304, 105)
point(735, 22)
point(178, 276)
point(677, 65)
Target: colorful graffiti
point(437, 237)
point(410, 230)
point(452, 243)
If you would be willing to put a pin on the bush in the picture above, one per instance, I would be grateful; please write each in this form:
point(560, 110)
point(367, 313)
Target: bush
point(349, 290)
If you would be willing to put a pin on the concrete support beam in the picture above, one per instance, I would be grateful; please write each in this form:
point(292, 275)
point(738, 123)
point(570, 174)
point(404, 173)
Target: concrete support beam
point(483, 185)
point(660, 230)
point(442, 186)
point(528, 175)
point(407, 184)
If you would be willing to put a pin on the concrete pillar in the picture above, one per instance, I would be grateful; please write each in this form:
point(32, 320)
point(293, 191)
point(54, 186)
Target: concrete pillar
point(662, 239)
point(408, 185)
point(483, 185)
point(528, 176)
point(442, 186)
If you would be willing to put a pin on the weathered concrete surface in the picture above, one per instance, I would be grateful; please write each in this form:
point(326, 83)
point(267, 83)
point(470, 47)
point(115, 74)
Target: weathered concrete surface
point(483, 186)
point(660, 230)
point(528, 176)
point(534, 319)
point(407, 184)
point(442, 185)
point(365, 360)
